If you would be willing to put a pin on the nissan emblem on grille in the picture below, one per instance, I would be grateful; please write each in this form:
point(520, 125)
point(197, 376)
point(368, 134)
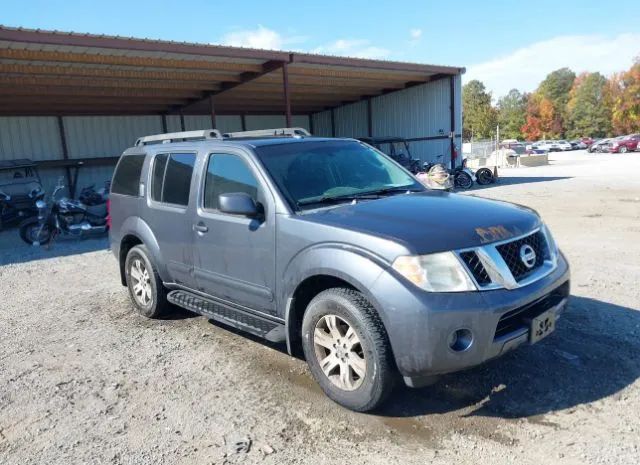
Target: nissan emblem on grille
point(528, 255)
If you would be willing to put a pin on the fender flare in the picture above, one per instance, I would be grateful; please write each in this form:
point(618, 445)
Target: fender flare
point(137, 227)
point(336, 260)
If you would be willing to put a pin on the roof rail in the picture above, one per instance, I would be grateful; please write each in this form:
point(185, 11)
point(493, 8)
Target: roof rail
point(276, 132)
point(179, 136)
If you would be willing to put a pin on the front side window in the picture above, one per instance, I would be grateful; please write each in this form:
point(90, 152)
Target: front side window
point(227, 174)
point(171, 178)
point(309, 173)
point(126, 179)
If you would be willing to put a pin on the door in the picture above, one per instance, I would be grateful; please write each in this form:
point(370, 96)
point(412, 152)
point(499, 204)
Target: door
point(234, 256)
point(168, 202)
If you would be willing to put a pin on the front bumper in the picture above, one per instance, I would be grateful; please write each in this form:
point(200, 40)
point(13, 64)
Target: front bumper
point(420, 323)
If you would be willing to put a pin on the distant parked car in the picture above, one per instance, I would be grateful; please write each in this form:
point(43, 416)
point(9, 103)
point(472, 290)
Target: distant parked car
point(577, 144)
point(587, 141)
point(598, 146)
point(549, 145)
point(624, 144)
point(564, 145)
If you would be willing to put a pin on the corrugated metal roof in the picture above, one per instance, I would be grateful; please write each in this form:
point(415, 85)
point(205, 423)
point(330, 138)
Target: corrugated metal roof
point(52, 72)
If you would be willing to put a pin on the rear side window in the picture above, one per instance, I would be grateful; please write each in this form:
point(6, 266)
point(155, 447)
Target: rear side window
point(227, 174)
point(126, 179)
point(171, 179)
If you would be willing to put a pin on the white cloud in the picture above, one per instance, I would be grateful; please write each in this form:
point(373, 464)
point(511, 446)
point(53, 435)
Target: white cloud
point(415, 34)
point(261, 37)
point(526, 67)
point(359, 48)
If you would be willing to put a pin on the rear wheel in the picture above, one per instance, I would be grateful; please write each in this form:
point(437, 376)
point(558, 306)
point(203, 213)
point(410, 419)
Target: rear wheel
point(146, 290)
point(347, 349)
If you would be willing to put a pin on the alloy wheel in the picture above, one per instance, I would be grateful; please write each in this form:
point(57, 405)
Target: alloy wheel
point(141, 282)
point(339, 352)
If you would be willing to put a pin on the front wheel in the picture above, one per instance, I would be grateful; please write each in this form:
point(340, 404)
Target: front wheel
point(623, 150)
point(34, 233)
point(463, 180)
point(347, 349)
point(146, 290)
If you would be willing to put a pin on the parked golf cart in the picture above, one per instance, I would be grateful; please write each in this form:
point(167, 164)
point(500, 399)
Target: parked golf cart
point(397, 148)
point(20, 188)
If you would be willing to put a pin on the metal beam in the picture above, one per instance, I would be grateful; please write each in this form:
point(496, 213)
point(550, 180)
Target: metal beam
point(164, 124)
point(243, 121)
point(452, 112)
point(65, 155)
point(333, 123)
point(369, 118)
point(267, 67)
point(287, 100)
point(212, 111)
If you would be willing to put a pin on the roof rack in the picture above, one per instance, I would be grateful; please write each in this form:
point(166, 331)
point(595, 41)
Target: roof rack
point(277, 132)
point(179, 136)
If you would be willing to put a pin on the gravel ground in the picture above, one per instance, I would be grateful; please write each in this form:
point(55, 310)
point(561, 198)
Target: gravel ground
point(83, 379)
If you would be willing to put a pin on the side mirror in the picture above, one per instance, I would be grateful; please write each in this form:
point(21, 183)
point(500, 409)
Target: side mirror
point(237, 203)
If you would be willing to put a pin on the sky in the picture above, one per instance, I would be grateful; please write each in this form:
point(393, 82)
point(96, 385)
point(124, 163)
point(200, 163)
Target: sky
point(504, 44)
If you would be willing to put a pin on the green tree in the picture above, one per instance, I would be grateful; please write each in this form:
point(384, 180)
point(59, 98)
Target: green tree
point(512, 114)
point(588, 111)
point(479, 118)
point(555, 88)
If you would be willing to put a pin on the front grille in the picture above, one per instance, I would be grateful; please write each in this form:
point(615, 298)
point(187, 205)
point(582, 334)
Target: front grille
point(510, 252)
point(476, 267)
point(520, 317)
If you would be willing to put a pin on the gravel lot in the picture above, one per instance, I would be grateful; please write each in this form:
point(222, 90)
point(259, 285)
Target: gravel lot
point(83, 379)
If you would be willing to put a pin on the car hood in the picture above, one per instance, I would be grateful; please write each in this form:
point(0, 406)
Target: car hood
point(432, 221)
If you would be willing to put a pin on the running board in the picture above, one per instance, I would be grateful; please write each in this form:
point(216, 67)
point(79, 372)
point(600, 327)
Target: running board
point(240, 319)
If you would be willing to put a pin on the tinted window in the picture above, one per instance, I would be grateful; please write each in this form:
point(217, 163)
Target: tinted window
point(159, 166)
point(126, 179)
point(177, 178)
point(311, 171)
point(227, 174)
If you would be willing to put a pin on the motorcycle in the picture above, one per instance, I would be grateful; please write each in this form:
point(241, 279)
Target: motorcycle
point(483, 176)
point(63, 216)
point(462, 176)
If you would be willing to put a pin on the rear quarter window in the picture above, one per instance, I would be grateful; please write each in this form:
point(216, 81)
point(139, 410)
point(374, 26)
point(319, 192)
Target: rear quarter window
point(126, 179)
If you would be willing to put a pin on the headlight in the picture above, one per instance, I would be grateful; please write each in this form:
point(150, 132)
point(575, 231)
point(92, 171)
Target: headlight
point(439, 272)
point(40, 204)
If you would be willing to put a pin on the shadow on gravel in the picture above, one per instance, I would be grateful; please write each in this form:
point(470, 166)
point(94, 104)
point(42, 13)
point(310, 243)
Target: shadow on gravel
point(14, 250)
point(592, 355)
point(510, 180)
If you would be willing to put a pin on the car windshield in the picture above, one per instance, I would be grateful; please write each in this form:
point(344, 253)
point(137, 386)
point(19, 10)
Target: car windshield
point(312, 173)
point(519, 148)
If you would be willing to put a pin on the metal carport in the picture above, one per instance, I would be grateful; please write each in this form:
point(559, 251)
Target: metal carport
point(68, 98)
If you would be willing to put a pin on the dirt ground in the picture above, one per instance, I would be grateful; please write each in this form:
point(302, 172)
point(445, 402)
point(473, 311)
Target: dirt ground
point(83, 379)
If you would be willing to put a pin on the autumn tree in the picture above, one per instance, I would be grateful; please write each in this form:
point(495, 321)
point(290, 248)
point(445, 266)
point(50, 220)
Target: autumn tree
point(588, 109)
point(479, 118)
point(624, 93)
point(512, 109)
point(555, 89)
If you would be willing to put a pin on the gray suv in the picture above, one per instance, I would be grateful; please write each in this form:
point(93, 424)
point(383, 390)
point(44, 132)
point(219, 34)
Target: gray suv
point(332, 247)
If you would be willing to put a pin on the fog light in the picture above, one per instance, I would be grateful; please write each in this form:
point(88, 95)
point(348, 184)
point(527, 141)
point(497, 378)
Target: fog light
point(460, 340)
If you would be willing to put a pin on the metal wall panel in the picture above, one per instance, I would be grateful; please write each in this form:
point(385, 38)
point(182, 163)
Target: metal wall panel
point(35, 137)
point(322, 124)
point(351, 120)
point(106, 136)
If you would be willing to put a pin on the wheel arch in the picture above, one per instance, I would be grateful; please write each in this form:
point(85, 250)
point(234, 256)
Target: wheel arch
point(136, 232)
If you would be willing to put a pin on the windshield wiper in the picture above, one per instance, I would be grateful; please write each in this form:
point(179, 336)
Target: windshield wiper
point(376, 194)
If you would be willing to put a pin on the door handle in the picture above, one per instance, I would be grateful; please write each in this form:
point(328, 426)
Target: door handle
point(200, 227)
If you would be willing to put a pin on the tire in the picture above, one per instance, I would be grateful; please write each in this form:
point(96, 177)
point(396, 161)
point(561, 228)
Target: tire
point(623, 150)
point(32, 234)
point(148, 294)
point(463, 180)
point(484, 176)
point(371, 353)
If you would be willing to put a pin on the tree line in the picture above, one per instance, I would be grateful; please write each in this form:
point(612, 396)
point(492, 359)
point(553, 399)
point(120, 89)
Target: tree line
point(564, 105)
